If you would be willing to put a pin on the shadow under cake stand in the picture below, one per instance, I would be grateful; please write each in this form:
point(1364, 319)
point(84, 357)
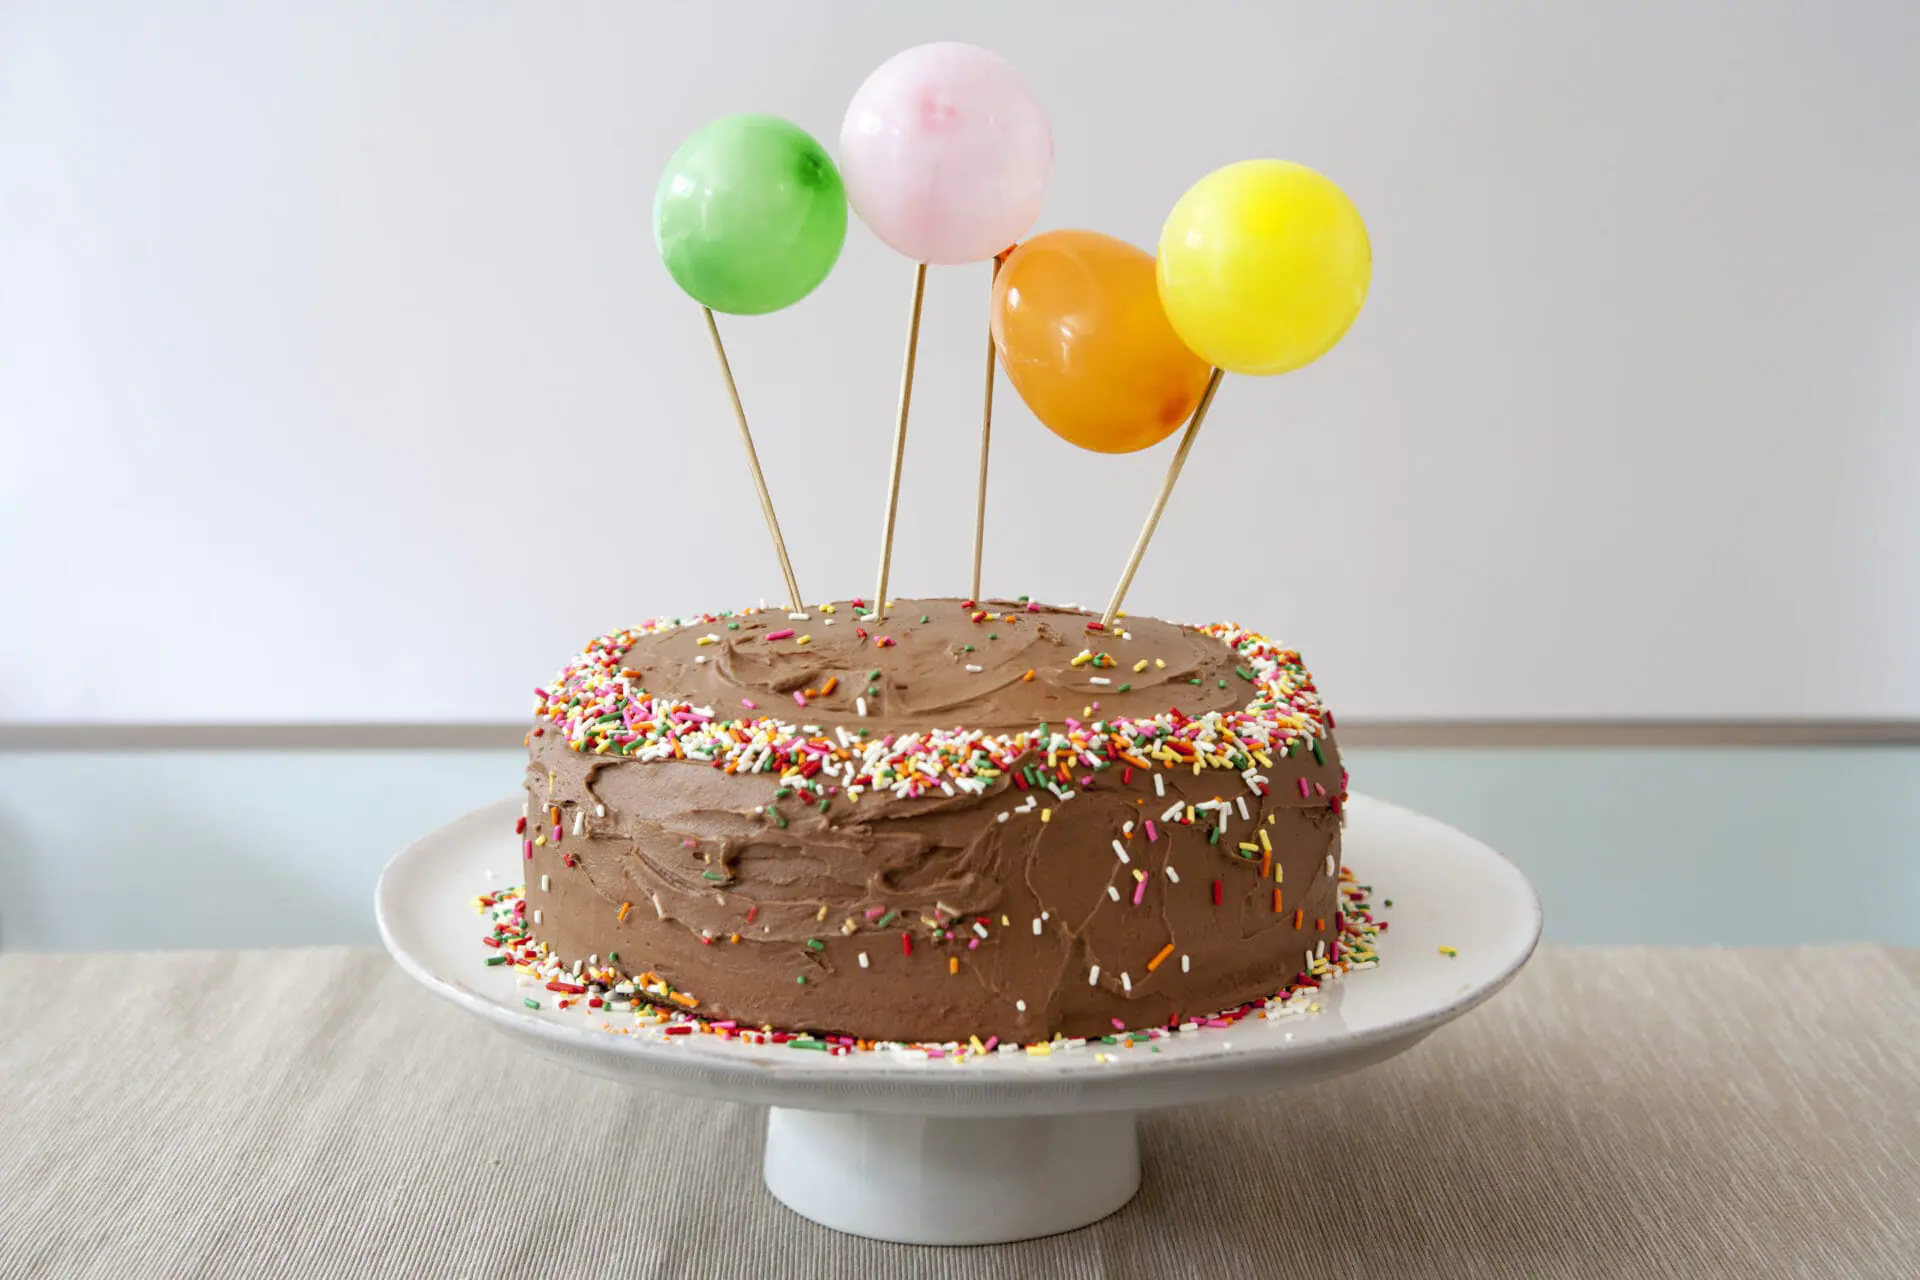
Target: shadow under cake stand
point(1013, 1145)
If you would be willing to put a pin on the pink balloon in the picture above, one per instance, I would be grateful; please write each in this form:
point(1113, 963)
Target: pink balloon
point(946, 153)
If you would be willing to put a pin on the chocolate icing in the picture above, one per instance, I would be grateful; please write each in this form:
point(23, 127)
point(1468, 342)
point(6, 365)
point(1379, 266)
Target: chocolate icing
point(725, 903)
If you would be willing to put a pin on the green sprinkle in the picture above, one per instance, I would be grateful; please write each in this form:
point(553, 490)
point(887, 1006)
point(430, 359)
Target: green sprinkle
point(873, 691)
point(874, 674)
point(1213, 835)
point(1223, 684)
point(802, 980)
point(493, 960)
point(531, 1003)
point(783, 793)
point(888, 918)
point(826, 803)
point(777, 816)
point(966, 648)
point(1319, 756)
point(1245, 673)
point(713, 875)
point(923, 617)
point(806, 1042)
point(1023, 599)
point(1123, 688)
point(814, 944)
point(992, 636)
point(1196, 680)
point(1109, 1040)
point(613, 957)
point(733, 626)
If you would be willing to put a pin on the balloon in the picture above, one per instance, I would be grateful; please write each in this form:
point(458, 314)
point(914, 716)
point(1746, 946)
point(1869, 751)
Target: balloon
point(1077, 321)
point(750, 215)
point(947, 153)
point(1263, 265)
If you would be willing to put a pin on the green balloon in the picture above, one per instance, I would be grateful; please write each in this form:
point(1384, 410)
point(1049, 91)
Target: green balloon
point(750, 215)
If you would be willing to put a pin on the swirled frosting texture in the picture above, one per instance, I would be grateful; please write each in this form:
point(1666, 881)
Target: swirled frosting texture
point(963, 819)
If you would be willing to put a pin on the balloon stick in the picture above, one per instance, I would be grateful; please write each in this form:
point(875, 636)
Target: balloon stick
point(986, 440)
point(1160, 503)
point(900, 438)
point(753, 462)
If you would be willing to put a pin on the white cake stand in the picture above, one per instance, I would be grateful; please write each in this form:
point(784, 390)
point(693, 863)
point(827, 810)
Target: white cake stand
point(1011, 1146)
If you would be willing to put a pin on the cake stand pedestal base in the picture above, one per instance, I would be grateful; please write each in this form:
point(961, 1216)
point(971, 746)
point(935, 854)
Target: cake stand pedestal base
point(923, 1180)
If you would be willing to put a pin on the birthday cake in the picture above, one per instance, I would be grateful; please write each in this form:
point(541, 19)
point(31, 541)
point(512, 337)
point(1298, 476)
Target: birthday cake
point(960, 820)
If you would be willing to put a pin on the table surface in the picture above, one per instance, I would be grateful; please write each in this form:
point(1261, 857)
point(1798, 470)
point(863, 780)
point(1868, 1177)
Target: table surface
point(1619, 1111)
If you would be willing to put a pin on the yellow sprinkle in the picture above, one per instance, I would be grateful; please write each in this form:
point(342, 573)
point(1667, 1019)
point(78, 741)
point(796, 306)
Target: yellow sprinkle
point(549, 782)
point(1249, 847)
point(1449, 951)
point(539, 839)
point(1271, 817)
point(1140, 665)
point(1159, 663)
point(953, 964)
point(1265, 843)
point(708, 640)
point(1040, 1050)
point(803, 639)
point(1138, 874)
point(1046, 815)
point(822, 913)
point(1081, 659)
point(1190, 811)
point(973, 1042)
point(1005, 923)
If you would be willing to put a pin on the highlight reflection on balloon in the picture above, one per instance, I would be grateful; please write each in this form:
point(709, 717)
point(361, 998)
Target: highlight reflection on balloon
point(1079, 328)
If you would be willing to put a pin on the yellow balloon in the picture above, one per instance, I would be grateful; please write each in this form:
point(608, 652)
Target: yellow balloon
point(1262, 266)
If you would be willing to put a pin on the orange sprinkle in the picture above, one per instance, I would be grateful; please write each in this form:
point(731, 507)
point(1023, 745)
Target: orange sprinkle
point(624, 908)
point(1266, 867)
point(1277, 908)
point(1320, 924)
point(1160, 959)
point(1299, 914)
point(1029, 676)
point(733, 937)
point(684, 1000)
point(833, 682)
point(953, 964)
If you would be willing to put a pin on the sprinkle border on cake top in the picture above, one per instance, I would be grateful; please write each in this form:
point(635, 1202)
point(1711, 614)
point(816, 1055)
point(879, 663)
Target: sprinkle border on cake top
point(601, 708)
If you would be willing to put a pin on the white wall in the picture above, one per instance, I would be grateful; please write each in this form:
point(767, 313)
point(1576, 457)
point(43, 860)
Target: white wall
point(338, 379)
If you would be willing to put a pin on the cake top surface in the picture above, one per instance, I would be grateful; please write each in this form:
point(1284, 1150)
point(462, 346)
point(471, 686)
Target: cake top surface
point(937, 690)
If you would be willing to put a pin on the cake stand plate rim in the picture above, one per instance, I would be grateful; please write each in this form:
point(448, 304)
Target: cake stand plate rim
point(1457, 882)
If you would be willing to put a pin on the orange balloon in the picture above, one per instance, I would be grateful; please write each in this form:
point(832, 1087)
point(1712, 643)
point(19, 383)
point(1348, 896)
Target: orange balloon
point(1079, 328)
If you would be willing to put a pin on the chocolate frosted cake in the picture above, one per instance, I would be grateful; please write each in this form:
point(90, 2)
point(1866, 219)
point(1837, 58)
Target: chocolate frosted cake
point(961, 820)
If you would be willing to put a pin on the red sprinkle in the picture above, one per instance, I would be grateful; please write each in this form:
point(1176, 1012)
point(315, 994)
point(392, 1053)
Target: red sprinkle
point(1216, 893)
point(906, 944)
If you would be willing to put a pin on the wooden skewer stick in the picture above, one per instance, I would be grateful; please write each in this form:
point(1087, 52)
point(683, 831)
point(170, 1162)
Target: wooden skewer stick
point(900, 438)
point(753, 464)
point(986, 440)
point(1160, 503)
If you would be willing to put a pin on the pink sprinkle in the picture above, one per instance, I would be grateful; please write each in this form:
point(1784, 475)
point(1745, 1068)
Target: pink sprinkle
point(1139, 891)
point(1303, 786)
point(1153, 832)
point(973, 944)
point(529, 850)
point(690, 844)
point(728, 1025)
point(556, 833)
point(991, 1042)
point(781, 634)
point(1217, 1022)
point(1317, 787)
point(873, 912)
point(750, 705)
point(1119, 1025)
point(800, 697)
point(1032, 607)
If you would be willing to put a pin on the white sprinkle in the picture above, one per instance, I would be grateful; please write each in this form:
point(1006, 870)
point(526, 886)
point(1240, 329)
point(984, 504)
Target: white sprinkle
point(1122, 852)
point(1021, 1005)
point(524, 811)
point(979, 928)
point(1093, 976)
point(579, 820)
point(1036, 926)
point(1046, 915)
point(599, 811)
point(1113, 893)
point(1160, 784)
point(1172, 874)
point(1005, 814)
point(1244, 815)
point(975, 667)
point(1329, 864)
point(1098, 680)
point(863, 959)
point(700, 661)
point(1126, 982)
point(536, 915)
point(1126, 828)
point(543, 884)
point(860, 705)
point(1183, 962)
point(797, 617)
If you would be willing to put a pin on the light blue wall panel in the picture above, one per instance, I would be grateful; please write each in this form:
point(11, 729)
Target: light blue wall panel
point(269, 848)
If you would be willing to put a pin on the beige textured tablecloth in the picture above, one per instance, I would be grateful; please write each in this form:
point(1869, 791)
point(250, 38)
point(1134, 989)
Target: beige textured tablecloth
point(1618, 1112)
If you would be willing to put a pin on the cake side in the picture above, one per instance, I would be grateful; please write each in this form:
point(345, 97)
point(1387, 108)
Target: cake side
point(764, 811)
